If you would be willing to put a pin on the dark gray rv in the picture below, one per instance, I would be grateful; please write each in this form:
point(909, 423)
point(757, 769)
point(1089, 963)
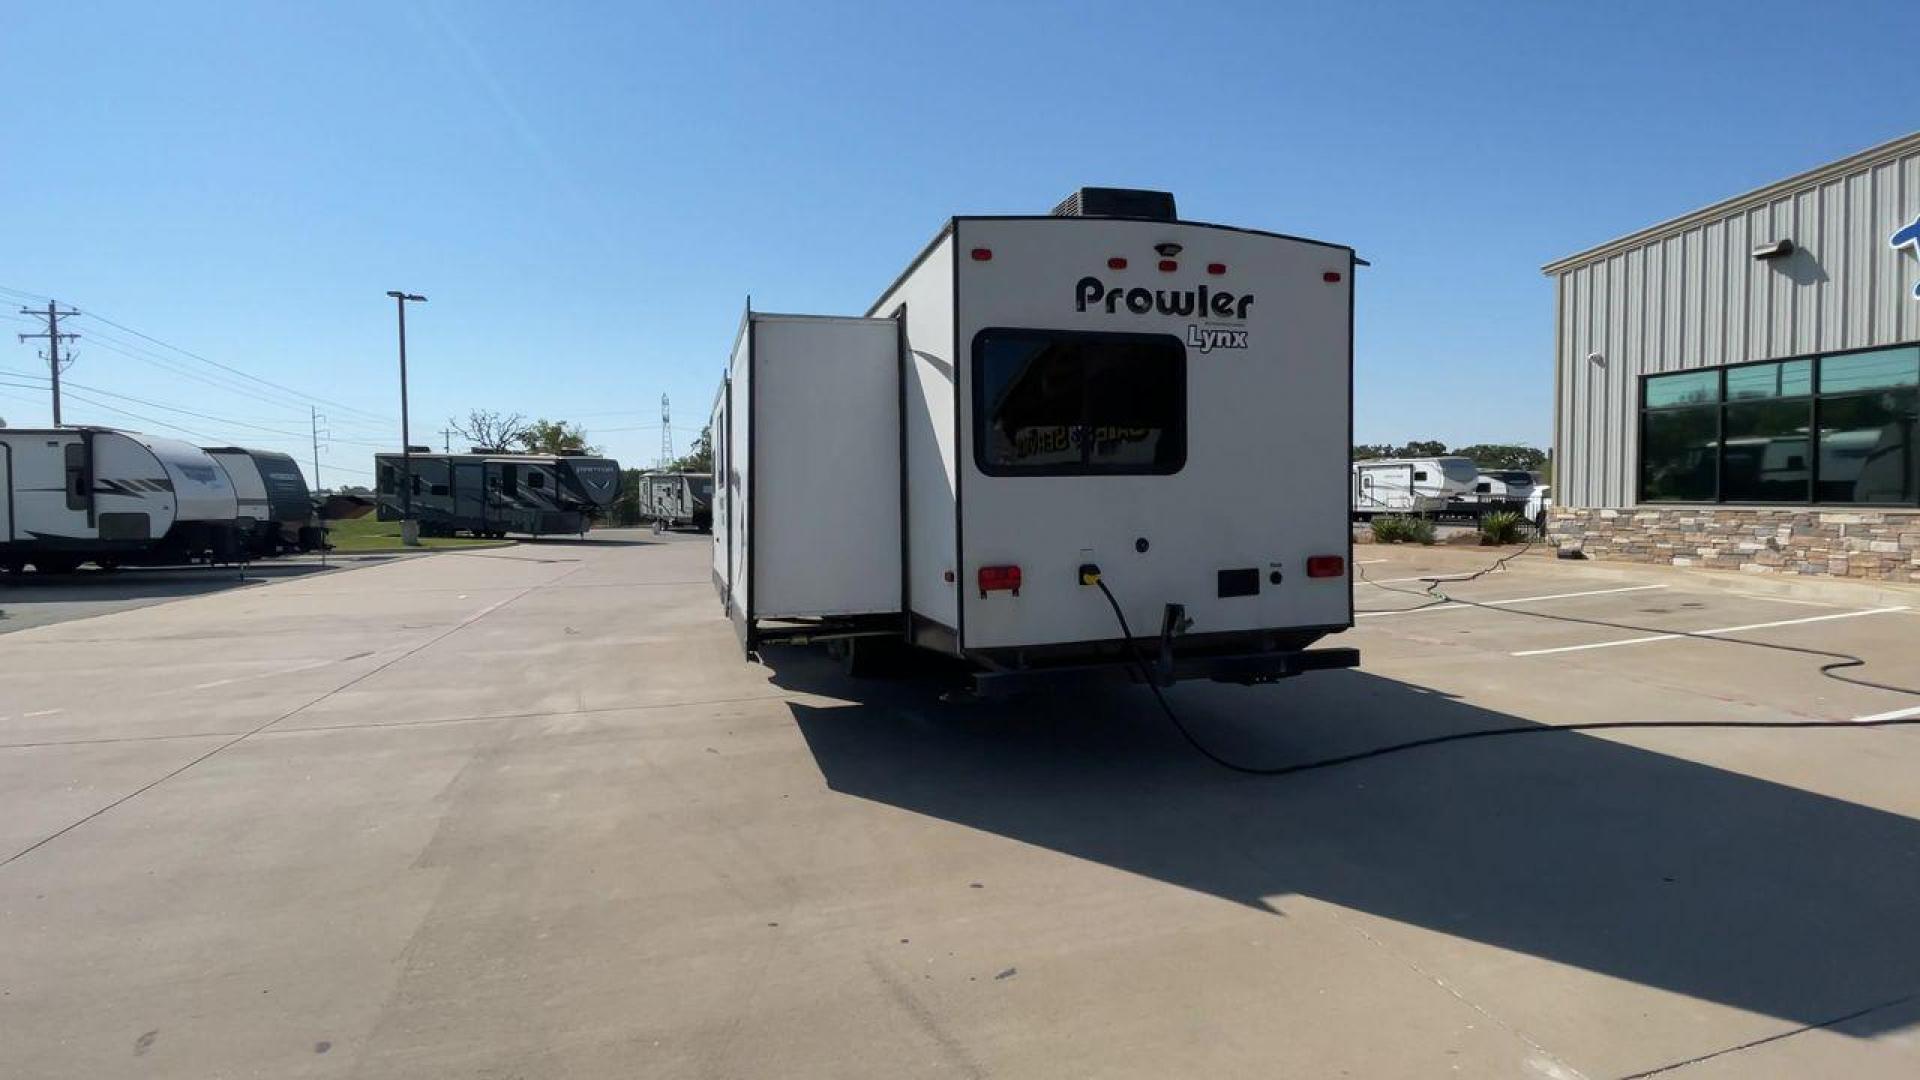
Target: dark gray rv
point(276, 507)
point(493, 494)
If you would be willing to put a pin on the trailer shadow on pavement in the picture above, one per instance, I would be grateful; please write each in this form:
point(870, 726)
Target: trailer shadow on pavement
point(1567, 847)
point(36, 599)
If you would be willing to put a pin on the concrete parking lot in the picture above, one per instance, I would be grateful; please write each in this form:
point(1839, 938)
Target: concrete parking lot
point(526, 812)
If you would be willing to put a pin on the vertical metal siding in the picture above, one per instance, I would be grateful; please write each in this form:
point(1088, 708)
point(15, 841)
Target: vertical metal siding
point(1695, 297)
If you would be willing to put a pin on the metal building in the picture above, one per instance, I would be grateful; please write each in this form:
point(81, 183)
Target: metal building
point(1737, 386)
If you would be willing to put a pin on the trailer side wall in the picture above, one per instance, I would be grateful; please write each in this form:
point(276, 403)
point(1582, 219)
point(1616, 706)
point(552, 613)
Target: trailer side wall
point(931, 442)
point(826, 466)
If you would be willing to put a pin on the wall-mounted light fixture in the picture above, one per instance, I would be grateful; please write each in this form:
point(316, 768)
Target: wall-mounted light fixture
point(1779, 249)
point(1596, 359)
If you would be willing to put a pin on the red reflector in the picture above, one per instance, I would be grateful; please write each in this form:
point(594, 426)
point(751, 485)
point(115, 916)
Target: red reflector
point(982, 254)
point(1169, 265)
point(1329, 277)
point(1116, 263)
point(1326, 566)
point(1216, 269)
point(1000, 579)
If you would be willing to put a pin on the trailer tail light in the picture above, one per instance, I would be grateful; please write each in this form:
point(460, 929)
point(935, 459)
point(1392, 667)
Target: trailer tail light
point(1169, 265)
point(982, 254)
point(1330, 277)
point(1326, 566)
point(1216, 269)
point(1116, 263)
point(999, 579)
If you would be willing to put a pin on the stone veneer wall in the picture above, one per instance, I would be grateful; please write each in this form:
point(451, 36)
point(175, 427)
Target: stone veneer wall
point(1883, 545)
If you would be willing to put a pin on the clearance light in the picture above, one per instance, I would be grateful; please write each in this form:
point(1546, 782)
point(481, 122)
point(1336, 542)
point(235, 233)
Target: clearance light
point(1327, 566)
point(999, 579)
point(1330, 277)
point(1216, 269)
point(982, 254)
point(1116, 263)
point(1169, 265)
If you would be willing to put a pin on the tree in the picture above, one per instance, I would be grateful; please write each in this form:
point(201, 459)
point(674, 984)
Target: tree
point(545, 436)
point(1417, 448)
point(489, 429)
point(1505, 456)
point(700, 458)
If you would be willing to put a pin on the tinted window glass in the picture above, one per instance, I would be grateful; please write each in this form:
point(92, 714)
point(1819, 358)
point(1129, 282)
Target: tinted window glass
point(1057, 402)
point(1684, 388)
point(1789, 378)
point(1767, 456)
point(1677, 454)
point(1868, 447)
point(1866, 371)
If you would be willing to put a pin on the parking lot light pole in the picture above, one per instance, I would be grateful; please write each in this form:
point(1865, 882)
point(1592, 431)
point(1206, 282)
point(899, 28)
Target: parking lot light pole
point(409, 528)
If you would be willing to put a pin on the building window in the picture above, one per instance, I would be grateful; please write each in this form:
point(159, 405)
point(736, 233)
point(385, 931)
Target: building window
point(1825, 429)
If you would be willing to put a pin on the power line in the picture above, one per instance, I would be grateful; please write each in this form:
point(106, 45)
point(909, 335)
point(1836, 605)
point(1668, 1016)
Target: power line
point(176, 409)
point(213, 363)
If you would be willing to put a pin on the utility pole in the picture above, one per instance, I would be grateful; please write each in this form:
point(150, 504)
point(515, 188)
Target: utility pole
point(316, 446)
point(666, 432)
point(446, 440)
point(409, 528)
point(54, 337)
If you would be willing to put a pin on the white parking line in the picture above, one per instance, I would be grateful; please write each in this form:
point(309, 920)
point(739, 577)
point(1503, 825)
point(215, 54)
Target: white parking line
point(1897, 714)
point(1513, 600)
point(1709, 633)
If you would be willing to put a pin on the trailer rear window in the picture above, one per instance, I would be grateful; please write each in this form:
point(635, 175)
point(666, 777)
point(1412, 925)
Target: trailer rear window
point(1059, 403)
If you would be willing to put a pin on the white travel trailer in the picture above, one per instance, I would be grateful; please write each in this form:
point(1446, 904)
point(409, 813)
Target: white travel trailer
point(1410, 485)
point(80, 494)
point(1498, 489)
point(671, 500)
point(1039, 412)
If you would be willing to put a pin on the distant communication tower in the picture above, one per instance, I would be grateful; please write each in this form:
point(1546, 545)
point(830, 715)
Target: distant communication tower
point(666, 432)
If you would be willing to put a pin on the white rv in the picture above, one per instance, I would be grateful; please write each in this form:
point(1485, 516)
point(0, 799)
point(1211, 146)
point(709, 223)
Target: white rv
point(1497, 489)
point(79, 494)
point(1410, 485)
point(671, 500)
point(1039, 411)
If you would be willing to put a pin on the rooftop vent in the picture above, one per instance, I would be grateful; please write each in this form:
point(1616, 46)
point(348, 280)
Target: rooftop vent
point(1107, 202)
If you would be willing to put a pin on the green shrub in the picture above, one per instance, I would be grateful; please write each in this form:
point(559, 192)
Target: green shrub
point(1501, 527)
point(1402, 529)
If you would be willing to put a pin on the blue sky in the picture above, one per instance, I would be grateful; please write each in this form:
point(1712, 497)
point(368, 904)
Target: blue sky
point(587, 194)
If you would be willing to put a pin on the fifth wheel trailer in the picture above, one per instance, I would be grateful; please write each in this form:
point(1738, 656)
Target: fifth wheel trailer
point(88, 494)
point(1410, 485)
point(1040, 412)
point(489, 494)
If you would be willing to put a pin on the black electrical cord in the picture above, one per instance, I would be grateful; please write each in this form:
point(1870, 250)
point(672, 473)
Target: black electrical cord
point(1840, 660)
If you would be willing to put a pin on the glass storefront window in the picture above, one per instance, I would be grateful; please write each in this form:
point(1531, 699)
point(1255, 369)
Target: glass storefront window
point(1677, 454)
point(1788, 378)
point(1870, 370)
point(1683, 388)
point(1765, 455)
point(1868, 447)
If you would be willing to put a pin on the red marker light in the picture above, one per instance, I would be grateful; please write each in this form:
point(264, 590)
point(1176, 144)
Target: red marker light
point(1330, 277)
point(1327, 566)
point(1169, 265)
point(1216, 269)
point(982, 254)
point(999, 579)
point(1116, 263)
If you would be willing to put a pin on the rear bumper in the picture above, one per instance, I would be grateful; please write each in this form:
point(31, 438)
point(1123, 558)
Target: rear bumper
point(1246, 669)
